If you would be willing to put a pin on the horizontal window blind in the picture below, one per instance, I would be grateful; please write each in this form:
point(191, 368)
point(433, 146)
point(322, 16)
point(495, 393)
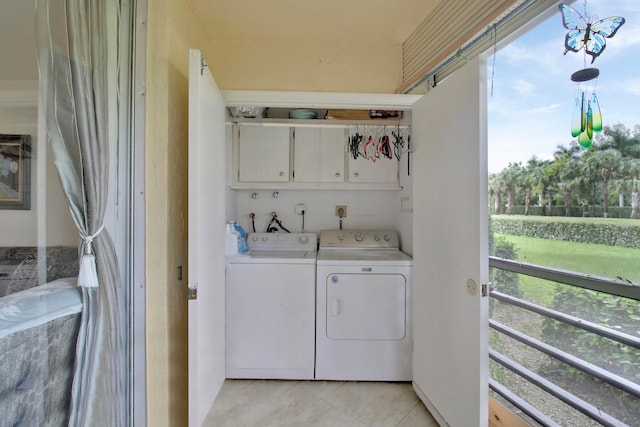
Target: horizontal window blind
point(459, 30)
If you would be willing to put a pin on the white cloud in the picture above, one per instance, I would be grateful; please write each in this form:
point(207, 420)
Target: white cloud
point(523, 87)
point(547, 108)
point(631, 86)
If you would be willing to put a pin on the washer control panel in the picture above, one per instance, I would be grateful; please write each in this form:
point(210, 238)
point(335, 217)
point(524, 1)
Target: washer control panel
point(282, 241)
point(374, 239)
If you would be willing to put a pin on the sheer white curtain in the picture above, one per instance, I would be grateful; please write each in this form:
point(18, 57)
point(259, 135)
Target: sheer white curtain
point(76, 40)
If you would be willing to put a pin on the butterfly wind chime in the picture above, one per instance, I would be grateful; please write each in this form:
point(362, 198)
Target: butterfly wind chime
point(590, 36)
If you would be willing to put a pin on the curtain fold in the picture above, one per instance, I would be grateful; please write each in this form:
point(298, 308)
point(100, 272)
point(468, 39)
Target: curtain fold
point(73, 56)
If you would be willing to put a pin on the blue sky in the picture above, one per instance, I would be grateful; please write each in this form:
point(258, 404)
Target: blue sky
point(530, 110)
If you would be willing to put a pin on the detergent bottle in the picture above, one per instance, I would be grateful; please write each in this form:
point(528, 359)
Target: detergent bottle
point(242, 239)
point(232, 239)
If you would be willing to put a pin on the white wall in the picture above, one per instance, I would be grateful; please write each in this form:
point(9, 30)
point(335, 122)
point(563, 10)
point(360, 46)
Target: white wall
point(21, 227)
point(365, 210)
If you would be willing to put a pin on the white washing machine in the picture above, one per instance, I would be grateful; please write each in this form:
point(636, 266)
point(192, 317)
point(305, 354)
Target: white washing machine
point(270, 307)
point(363, 307)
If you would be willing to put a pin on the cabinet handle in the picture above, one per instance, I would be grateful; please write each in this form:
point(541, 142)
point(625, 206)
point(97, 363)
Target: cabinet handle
point(281, 173)
point(335, 306)
point(337, 174)
point(356, 174)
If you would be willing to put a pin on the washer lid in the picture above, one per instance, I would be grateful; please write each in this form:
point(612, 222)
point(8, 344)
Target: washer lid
point(279, 254)
point(273, 257)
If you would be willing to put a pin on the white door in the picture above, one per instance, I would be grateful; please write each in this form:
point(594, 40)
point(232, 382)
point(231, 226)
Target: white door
point(271, 320)
point(366, 307)
point(206, 238)
point(450, 248)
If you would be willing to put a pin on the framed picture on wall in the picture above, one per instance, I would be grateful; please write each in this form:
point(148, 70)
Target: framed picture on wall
point(15, 172)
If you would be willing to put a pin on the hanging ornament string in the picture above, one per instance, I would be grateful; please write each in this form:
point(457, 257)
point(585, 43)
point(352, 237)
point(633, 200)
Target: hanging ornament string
point(88, 272)
point(585, 34)
point(493, 61)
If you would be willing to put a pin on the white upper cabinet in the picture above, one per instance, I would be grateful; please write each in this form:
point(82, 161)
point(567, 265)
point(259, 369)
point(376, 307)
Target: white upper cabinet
point(319, 155)
point(308, 157)
point(263, 154)
point(376, 169)
point(273, 151)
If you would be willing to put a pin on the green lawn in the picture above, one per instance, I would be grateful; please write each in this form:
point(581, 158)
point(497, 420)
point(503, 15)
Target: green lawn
point(599, 260)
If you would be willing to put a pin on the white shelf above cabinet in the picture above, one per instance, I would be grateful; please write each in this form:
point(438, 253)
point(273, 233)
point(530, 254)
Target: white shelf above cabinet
point(314, 123)
point(343, 100)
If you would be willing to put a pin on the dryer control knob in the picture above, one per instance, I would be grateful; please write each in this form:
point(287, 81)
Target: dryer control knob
point(303, 239)
point(340, 236)
point(264, 239)
point(376, 237)
point(255, 238)
point(359, 237)
point(387, 237)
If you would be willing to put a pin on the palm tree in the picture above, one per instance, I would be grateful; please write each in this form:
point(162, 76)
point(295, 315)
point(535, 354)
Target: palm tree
point(619, 138)
point(496, 187)
point(526, 182)
point(630, 170)
point(546, 176)
point(604, 164)
point(510, 177)
point(569, 175)
point(535, 176)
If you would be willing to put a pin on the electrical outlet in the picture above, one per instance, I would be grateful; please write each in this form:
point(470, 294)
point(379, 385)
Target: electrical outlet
point(300, 208)
point(341, 211)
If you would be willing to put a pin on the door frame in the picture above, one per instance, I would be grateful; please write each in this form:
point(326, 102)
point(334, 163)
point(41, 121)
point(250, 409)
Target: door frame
point(137, 277)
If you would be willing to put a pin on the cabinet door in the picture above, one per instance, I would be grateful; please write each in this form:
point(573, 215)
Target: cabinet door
point(206, 250)
point(263, 154)
point(383, 170)
point(450, 339)
point(319, 155)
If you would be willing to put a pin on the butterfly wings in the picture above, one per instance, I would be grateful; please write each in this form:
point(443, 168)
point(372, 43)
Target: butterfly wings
point(587, 35)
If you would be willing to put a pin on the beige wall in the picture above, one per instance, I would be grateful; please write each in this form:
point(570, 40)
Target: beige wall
point(172, 30)
point(310, 67)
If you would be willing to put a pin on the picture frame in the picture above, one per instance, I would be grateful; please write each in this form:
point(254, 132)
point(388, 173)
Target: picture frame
point(15, 172)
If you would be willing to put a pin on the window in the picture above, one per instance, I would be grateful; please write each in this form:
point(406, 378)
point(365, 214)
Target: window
point(556, 204)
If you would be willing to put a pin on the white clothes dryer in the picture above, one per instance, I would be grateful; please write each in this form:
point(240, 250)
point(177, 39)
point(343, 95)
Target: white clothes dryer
point(363, 307)
point(270, 307)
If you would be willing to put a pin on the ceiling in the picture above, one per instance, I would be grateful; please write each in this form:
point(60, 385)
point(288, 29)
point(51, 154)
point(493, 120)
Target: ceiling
point(312, 20)
point(334, 21)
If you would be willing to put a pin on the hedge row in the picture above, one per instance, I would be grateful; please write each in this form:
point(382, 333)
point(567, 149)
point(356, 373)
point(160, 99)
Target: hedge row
point(584, 232)
point(576, 211)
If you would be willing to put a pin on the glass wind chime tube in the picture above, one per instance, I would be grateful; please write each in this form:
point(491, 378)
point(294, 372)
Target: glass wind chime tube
point(586, 117)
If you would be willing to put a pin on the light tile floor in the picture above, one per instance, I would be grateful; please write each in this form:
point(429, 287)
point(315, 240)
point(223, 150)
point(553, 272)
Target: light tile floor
point(249, 403)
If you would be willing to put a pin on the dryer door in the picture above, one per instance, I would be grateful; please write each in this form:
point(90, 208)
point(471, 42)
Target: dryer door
point(366, 307)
